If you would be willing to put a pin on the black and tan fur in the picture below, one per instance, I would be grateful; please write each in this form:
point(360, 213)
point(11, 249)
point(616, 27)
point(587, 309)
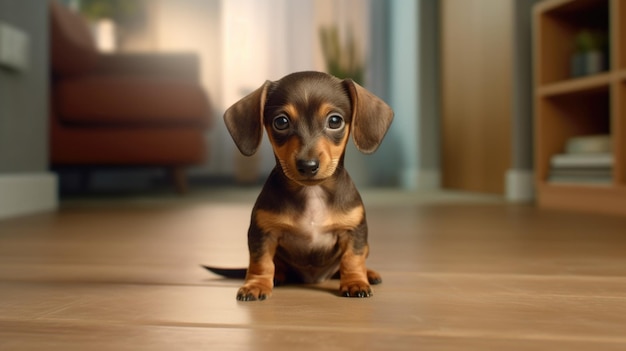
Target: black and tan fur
point(308, 224)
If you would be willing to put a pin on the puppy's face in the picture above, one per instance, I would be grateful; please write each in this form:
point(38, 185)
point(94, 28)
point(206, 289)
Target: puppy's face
point(308, 122)
point(308, 117)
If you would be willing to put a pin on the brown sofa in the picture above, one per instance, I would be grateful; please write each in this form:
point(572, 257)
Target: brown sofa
point(122, 109)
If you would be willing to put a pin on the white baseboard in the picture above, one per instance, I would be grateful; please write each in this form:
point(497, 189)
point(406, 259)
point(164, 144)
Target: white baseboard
point(421, 179)
point(27, 193)
point(520, 185)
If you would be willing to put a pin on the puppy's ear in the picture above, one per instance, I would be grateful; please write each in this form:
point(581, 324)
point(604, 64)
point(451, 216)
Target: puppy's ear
point(244, 120)
point(371, 117)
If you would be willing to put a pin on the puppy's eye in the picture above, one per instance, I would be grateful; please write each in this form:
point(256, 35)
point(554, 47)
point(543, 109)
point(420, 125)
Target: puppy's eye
point(335, 122)
point(281, 123)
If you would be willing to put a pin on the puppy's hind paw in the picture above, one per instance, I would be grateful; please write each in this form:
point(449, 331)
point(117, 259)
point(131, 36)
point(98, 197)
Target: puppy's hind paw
point(373, 277)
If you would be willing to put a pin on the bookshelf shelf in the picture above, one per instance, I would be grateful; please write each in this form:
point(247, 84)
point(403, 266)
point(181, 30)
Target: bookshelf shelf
point(599, 81)
point(621, 75)
point(569, 104)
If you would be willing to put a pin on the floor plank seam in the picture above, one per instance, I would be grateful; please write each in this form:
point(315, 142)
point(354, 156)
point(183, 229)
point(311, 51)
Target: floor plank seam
point(449, 333)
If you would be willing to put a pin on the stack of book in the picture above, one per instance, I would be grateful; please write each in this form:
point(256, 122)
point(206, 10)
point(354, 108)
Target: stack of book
point(587, 159)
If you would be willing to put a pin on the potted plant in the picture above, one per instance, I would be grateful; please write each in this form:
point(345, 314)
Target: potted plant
point(342, 60)
point(109, 18)
point(590, 53)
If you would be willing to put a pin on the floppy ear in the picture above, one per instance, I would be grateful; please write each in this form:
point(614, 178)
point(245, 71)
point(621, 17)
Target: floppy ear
point(244, 120)
point(371, 117)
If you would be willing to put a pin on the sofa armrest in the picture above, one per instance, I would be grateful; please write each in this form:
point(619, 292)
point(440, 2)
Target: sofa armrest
point(168, 65)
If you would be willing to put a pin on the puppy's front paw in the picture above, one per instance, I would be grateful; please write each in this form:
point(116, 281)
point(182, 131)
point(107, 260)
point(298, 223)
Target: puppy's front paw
point(254, 292)
point(355, 289)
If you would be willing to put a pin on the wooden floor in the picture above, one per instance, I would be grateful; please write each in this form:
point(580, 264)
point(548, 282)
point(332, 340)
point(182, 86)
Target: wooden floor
point(458, 275)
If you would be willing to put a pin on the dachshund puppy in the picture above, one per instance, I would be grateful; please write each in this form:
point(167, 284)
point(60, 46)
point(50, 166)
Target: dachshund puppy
point(308, 223)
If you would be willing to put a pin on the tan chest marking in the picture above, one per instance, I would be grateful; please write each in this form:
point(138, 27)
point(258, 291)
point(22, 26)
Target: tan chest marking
point(317, 226)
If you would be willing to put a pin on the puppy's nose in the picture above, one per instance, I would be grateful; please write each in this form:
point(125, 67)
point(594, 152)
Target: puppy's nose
point(308, 168)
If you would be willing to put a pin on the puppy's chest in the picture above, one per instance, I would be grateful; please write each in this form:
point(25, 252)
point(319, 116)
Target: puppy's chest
point(314, 227)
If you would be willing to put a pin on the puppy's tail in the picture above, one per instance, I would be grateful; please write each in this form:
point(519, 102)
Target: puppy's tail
point(231, 273)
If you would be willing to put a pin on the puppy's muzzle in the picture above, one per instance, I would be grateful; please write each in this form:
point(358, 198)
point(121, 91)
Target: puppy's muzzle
point(308, 167)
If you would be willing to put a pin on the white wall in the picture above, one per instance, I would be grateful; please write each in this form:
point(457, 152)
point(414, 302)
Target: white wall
point(413, 147)
point(26, 185)
point(404, 78)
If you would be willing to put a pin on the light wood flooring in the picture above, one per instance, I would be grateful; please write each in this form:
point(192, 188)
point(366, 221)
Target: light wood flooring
point(460, 273)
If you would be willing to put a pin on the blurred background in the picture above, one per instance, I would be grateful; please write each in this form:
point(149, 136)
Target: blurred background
point(129, 94)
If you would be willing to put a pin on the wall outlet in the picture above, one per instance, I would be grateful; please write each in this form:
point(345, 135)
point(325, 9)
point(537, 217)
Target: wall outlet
point(14, 47)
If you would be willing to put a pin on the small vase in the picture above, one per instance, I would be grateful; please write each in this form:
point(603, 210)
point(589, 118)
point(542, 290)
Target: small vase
point(586, 63)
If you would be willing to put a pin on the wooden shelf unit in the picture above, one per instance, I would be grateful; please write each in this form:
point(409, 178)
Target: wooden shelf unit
point(565, 107)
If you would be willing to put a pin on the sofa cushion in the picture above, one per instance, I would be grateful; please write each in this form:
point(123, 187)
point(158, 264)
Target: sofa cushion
point(72, 47)
point(126, 146)
point(128, 101)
